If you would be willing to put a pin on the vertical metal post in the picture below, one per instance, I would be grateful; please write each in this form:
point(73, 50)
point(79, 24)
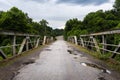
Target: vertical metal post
point(37, 43)
point(104, 42)
point(44, 40)
point(82, 42)
point(27, 43)
point(14, 45)
point(96, 44)
point(22, 46)
point(75, 38)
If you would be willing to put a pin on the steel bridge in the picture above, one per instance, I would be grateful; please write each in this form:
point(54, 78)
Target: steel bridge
point(99, 42)
point(59, 60)
point(21, 42)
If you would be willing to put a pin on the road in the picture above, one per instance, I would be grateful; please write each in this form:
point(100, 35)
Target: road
point(60, 61)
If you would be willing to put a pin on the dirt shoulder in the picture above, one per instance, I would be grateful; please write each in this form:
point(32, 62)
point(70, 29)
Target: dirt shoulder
point(9, 68)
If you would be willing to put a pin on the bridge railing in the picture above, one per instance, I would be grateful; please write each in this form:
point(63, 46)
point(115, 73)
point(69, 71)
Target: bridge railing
point(102, 42)
point(19, 43)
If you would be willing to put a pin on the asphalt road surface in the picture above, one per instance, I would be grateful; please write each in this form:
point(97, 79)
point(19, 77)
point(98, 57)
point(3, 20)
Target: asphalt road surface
point(59, 61)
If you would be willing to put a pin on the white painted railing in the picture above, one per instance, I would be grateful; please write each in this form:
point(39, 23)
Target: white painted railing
point(28, 42)
point(99, 42)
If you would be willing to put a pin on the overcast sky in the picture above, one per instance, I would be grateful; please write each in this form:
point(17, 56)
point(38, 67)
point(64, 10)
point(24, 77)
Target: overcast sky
point(57, 12)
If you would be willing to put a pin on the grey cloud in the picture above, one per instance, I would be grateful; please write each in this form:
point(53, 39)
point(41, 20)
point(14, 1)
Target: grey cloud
point(77, 2)
point(83, 2)
point(40, 1)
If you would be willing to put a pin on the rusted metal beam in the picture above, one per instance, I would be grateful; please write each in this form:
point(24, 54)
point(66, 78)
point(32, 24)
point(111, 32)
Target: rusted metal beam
point(103, 33)
point(17, 34)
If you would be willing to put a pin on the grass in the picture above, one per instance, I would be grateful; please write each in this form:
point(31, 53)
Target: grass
point(111, 63)
point(1, 58)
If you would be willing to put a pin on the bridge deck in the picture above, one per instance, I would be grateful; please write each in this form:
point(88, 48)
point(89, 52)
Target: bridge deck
point(60, 61)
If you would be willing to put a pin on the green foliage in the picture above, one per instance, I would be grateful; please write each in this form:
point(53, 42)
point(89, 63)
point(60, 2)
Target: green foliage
point(94, 22)
point(70, 27)
point(117, 5)
point(17, 21)
point(58, 32)
point(14, 20)
point(98, 21)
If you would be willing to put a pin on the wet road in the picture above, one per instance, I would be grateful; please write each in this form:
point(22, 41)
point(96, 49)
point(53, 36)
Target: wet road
point(58, 61)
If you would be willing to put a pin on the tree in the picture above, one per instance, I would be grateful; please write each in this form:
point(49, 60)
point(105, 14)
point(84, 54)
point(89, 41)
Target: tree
point(58, 32)
point(44, 24)
point(117, 5)
point(15, 20)
point(117, 9)
point(71, 24)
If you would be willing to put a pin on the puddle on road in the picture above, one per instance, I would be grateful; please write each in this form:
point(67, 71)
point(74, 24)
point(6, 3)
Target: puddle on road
point(97, 67)
point(82, 56)
point(75, 57)
point(101, 78)
point(47, 49)
point(70, 51)
point(29, 61)
point(75, 54)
